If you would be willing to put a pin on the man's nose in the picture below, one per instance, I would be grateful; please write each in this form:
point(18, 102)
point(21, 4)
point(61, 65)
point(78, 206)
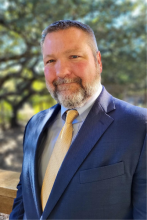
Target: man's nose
point(62, 69)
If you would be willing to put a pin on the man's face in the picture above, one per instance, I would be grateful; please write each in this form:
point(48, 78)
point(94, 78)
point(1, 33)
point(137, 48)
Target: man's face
point(72, 73)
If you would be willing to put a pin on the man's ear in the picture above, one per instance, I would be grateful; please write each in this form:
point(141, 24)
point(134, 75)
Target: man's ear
point(99, 61)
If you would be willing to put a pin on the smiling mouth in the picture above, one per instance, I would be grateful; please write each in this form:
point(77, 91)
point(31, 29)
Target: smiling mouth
point(67, 81)
point(66, 86)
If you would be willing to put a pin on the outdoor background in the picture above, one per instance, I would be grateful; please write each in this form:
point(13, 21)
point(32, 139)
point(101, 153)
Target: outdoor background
point(119, 26)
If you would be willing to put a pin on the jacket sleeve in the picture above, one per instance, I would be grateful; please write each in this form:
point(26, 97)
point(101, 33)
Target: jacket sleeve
point(139, 187)
point(18, 208)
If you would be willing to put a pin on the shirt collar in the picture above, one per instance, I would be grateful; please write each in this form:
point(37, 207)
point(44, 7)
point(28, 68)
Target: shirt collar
point(84, 110)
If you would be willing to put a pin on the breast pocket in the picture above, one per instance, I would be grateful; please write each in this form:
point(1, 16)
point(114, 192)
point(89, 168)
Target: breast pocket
point(102, 173)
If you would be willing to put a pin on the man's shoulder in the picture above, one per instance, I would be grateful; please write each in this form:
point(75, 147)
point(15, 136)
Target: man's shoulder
point(126, 108)
point(41, 116)
point(45, 112)
point(123, 108)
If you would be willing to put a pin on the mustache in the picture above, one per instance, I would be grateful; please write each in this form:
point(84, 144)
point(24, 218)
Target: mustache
point(67, 80)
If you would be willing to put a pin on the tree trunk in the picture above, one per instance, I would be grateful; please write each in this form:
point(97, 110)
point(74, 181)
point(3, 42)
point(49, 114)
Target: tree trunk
point(13, 120)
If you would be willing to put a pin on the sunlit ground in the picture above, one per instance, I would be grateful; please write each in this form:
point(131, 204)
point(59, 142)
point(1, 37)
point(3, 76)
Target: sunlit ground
point(11, 151)
point(4, 217)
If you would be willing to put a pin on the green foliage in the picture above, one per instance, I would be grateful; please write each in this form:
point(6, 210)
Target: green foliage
point(119, 27)
point(5, 112)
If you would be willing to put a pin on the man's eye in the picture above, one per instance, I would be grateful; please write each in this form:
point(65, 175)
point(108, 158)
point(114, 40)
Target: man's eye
point(50, 61)
point(74, 56)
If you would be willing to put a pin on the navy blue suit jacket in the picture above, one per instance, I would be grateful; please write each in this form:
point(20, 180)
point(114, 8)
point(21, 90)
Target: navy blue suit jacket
point(103, 175)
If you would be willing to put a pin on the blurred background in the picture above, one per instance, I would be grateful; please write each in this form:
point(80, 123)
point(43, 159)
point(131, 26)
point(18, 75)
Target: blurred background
point(119, 26)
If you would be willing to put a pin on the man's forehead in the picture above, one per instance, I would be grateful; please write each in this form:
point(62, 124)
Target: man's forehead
point(55, 42)
point(68, 51)
point(71, 33)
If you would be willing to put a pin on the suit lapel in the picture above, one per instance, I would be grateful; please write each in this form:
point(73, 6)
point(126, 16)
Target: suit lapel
point(96, 123)
point(39, 124)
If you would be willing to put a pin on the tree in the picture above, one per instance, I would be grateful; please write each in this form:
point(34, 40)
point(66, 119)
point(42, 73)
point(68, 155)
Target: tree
point(121, 42)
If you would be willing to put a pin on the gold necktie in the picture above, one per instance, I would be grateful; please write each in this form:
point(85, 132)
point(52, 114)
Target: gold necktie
point(60, 149)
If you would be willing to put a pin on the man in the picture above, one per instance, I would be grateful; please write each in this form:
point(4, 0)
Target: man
point(101, 174)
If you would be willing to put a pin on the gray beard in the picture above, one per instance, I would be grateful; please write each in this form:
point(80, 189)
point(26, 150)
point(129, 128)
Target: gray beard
point(78, 98)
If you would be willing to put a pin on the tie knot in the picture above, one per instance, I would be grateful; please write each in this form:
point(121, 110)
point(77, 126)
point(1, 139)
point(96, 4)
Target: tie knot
point(71, 115)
